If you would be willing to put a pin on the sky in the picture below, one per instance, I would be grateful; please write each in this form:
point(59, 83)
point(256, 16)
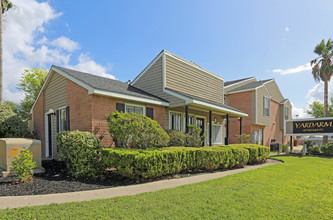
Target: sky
point(118, 39)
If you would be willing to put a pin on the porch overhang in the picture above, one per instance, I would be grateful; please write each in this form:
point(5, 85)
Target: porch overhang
point(202, 104)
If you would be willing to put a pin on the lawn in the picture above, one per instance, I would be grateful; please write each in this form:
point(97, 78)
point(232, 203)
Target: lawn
point(300, 188)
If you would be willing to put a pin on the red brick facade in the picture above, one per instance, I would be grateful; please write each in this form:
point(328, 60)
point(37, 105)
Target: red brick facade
point(39, 120)
point(242, 101)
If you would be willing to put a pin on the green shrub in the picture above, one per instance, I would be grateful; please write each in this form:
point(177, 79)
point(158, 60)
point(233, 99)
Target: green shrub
point(24, 165)
point(257, 154)
point(11, 126)
point(314, 150)
point(81, 153)
point(130, 130)
point(136, 164)
point(177, 138)
point(244, 138)
point(284, 148)
point(327, 149)
point(193, 137)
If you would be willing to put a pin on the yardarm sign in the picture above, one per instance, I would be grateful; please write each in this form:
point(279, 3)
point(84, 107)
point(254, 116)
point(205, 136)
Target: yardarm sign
point(321, 126)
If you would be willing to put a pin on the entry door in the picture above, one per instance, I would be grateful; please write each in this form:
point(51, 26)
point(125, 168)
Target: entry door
point(49, 136)
point(201, 124)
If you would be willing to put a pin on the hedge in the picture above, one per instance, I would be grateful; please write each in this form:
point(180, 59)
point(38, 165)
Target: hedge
point(327, 149)
point(81, 153)
point(258, 153)
point(136, 164)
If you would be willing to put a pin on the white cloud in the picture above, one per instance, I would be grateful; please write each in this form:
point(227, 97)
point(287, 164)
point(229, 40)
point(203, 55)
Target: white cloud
point(65, 43)
point(86, 64)
point(299, 112)
point(25, 45)
point(286, 29)
point(298, 69)
point(317, 92)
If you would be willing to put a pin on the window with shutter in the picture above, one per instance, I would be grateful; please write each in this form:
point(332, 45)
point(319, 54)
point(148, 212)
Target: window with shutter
point(266, 107)
point(150, 113)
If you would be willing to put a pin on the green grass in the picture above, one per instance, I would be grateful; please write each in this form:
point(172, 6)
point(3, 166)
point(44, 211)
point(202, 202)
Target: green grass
point(301, 188)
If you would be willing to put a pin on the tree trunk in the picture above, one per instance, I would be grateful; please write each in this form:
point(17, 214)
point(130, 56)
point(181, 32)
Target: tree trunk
point(325, 137)
point(1, 67)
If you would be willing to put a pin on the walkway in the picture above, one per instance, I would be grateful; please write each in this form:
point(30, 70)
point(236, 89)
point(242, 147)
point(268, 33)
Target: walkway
point(21, 201)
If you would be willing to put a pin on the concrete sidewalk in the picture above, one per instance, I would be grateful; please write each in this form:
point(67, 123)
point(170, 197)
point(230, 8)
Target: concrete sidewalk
point(21, 201)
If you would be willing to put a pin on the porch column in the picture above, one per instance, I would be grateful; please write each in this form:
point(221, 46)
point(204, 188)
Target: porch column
point(210, 128)
point(186, 118)
point(227, 138)
point(240, 125)
point(291, 144)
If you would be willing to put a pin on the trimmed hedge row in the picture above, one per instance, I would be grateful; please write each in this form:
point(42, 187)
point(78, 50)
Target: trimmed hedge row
point(258, 153)
point(137, 164)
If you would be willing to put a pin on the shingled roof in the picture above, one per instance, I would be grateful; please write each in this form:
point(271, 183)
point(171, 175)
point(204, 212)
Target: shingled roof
point(109, 85)
point(229, 83)
point(250, 86)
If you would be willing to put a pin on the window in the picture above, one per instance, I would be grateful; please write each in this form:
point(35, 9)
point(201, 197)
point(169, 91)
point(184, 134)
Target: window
point(266, 107)
point(286, 113)
point(134, 109)
point(175, 121)
point(190, 121)
point(63, 120)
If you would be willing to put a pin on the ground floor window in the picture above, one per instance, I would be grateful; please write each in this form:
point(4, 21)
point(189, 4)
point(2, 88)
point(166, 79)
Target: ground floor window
point(62, 119)
point(175, 121)
point(190, 121)
point(134, 109)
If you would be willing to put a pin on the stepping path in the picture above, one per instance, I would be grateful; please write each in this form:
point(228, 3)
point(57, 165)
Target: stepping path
point(34, 200)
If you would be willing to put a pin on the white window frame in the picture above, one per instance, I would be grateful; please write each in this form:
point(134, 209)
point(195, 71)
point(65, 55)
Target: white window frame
point(135, 105)
point(269, 107)
point(189, 115)
point(170, 119)
point(62, 108)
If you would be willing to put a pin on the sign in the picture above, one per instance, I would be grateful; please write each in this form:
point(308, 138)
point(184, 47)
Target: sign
point(318, 126)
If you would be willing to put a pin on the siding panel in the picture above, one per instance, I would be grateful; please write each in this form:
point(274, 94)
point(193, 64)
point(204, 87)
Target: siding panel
point(274, 91)
point(190, 80)
point(261, 119)
point(55, 93)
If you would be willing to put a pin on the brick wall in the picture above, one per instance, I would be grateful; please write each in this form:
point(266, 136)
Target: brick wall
point(241, 101)
point(158, 114)
point(79, 103)
point(273, 131)
point(39, 121)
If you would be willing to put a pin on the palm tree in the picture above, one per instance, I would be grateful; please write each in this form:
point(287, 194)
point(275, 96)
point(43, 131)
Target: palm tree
point(4, 6)
point(322, 70)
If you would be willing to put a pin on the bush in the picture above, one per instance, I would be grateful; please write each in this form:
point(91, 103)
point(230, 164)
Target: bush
point(138, 164)
point(327, 149)
point(177, 138)
point(244, 138)
point(284, 148)
point(130, 130)
point(193, 137)
point(24, 165)
point(257, 154)
point(11, 126)
point(314, 150)
point(81, 153)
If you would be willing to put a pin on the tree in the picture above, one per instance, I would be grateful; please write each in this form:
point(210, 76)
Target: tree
point(5, 6)
point(316, 109)
point(31, 83)
point(322, 70)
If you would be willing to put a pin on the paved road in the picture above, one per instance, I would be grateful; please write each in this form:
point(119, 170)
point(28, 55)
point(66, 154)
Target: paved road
point(22, 201)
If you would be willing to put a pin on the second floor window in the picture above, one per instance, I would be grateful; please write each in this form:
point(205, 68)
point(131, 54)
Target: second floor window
point(286, 113)
point(266, 107)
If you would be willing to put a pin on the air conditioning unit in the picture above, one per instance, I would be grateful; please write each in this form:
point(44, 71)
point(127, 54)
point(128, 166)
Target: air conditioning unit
point(11, 147)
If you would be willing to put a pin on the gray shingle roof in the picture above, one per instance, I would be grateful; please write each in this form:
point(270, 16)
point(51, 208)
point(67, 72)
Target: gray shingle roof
point(283, 101)
point(228, 83)
point(109, 85)
point(208, 101)
point(250, 86)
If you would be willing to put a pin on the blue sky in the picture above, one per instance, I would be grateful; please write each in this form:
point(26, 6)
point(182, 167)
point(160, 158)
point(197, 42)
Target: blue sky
point(234, 39)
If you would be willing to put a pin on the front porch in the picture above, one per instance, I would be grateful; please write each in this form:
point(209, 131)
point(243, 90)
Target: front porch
point(213, 119)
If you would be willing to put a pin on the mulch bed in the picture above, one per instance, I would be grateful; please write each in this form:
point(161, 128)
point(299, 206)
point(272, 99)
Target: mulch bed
point(54, 180)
